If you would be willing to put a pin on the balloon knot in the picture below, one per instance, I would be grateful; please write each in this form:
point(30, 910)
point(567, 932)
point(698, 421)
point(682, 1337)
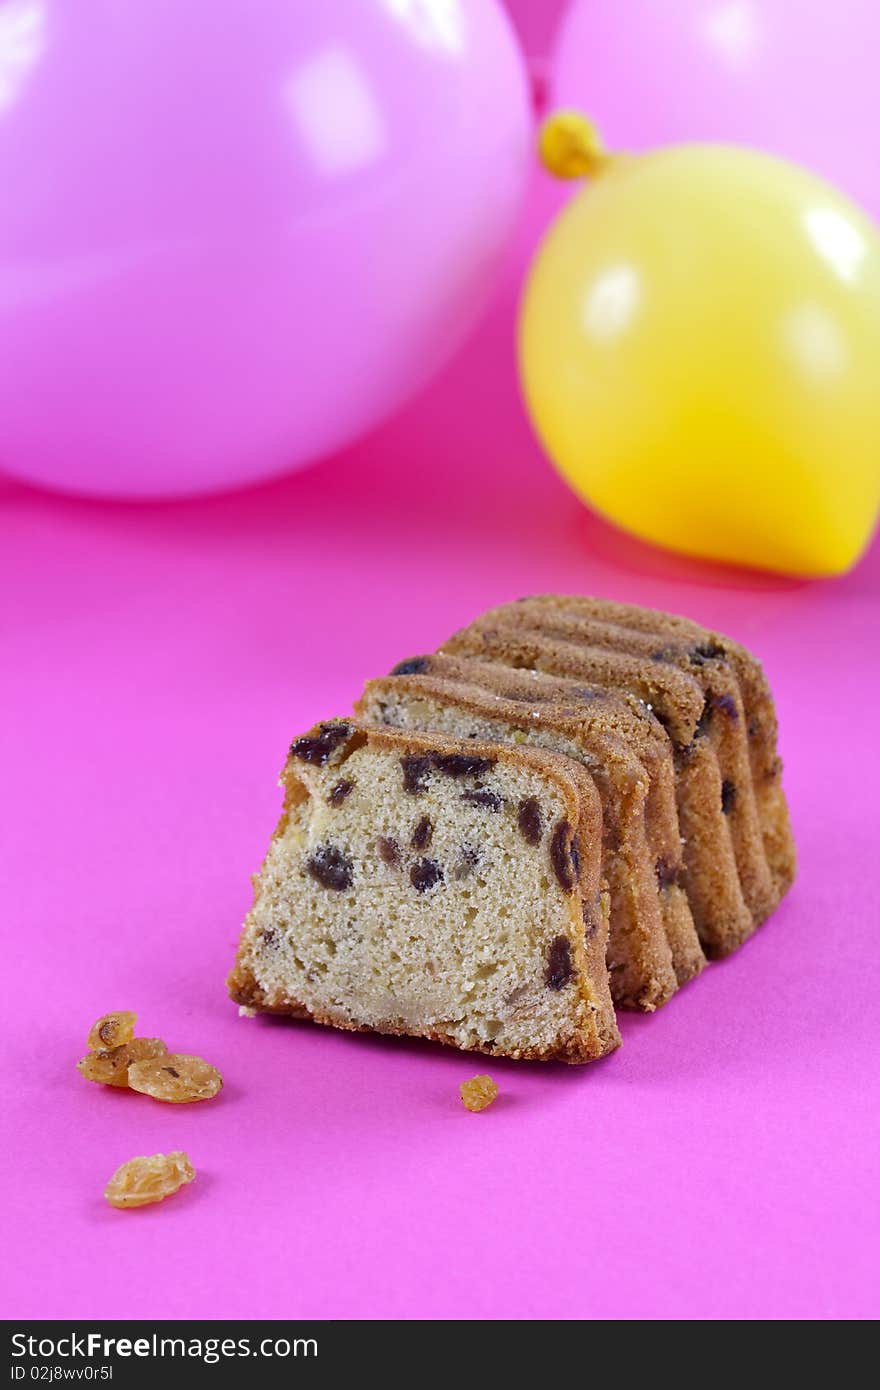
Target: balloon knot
point(570, 146)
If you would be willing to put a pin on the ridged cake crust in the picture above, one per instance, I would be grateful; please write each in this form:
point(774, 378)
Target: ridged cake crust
point(722, 722)
point(710, 876)
point(730, 764)
point(689, 641)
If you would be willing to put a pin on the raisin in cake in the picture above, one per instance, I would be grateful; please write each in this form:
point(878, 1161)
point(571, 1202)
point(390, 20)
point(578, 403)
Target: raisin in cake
point(640, 955)
point(440, 887)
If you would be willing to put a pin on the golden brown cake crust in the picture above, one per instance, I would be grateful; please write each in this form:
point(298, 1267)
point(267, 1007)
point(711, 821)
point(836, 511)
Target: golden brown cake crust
point(722, 721)
point(674, 696)
point(710, 875)
point(705, 643)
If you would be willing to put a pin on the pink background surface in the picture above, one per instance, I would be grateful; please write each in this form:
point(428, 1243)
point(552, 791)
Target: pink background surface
point(156, 661)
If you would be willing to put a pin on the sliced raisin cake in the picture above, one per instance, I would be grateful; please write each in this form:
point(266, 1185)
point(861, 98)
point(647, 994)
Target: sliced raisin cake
point(573, 804)
point(440, 887)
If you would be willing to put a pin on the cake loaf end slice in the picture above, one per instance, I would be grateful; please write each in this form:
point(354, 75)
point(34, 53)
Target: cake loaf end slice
point(437, 887)
point(691, 643)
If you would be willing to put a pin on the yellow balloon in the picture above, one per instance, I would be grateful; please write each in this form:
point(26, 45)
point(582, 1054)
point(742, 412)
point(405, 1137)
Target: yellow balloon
point(700, 353)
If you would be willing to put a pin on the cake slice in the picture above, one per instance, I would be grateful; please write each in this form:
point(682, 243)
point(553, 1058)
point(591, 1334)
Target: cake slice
point(722, 722)
point(437, 887)
point(640, 958)
point(691, 645)
point(710, 876)
point(626, 718)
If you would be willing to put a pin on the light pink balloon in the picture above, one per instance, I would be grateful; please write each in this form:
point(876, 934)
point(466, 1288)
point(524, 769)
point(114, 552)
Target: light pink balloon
point(798, 78)
point(235, 235)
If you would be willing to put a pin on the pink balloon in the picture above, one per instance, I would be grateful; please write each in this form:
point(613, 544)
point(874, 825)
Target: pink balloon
point(795, 77)
point(234, 236)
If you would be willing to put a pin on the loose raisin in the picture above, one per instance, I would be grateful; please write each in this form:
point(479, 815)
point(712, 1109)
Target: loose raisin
point(561, 855)
point(141, 1181)
point(111, 1067)
point(477, 1093)
point(112, 1030)
point(424, 874)
point(530, 821)
point(332, 868)
point(317, 748)
point(389, 851)
point(559, 967)
point(176, 1078)
point(482, 796)
point(338, 793)
point(415, 770)
point(413, 666)
point(728, 797)
point(421, 836)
